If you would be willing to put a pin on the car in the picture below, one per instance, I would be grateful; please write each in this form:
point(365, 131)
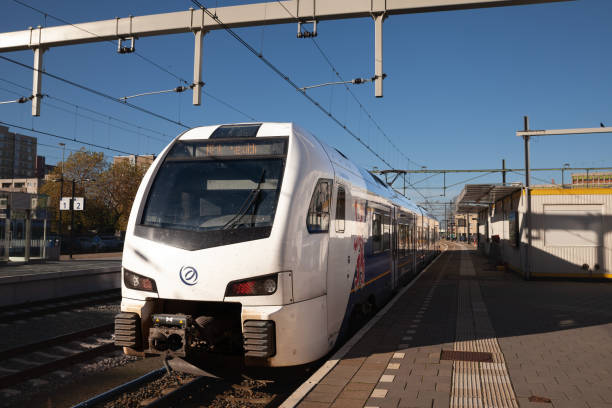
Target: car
point(111, 243)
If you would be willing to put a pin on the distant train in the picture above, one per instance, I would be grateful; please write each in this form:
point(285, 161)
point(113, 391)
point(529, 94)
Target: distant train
point(262, 244)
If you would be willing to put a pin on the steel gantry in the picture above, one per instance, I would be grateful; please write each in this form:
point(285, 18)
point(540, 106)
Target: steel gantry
point(201, 21)
point(398, 172)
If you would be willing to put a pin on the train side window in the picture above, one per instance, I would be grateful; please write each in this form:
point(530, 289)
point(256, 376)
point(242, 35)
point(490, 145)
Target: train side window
point(386, 232)
point(376, 233)
point(340, 209)
point(409, 237)
point(402, 239)
point(318, 211)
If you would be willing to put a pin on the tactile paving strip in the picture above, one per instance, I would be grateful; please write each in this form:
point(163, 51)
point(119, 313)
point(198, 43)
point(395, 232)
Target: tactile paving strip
point(478, 384)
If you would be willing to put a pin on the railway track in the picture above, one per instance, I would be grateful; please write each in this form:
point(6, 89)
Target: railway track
point(158, 388)
point(161, 389)
point(26, 311)
point(34, 360)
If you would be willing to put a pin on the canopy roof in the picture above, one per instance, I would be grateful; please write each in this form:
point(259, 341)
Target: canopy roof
point(475, 197)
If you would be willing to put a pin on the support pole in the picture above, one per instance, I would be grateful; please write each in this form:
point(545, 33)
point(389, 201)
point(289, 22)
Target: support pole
point(43, 249)
point(197, 67)
point(7, 237)
point(27, 242)
point(587, 179)
point(504, 172)
point(446, 222)
point(444, 191)
point(562, 177)
point(527, 223)
point(378, 55)
point(37, 81)
point(526, 123)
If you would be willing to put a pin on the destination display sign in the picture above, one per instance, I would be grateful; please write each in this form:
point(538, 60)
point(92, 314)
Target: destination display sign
point(219, 149)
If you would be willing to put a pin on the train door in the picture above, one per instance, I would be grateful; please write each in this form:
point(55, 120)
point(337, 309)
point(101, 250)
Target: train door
point(412, 241)
point(341, 257)
point(394, 249)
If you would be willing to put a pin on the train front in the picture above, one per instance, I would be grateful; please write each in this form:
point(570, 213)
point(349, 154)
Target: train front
point(203, 276)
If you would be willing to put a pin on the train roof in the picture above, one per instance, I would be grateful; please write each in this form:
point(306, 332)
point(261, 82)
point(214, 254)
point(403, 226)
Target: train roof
point(373, 183)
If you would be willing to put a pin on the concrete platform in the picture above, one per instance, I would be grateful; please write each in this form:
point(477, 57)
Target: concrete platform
point(34, 282)
point(549, 344)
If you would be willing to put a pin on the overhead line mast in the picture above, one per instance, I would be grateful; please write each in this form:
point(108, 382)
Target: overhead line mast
point(40, 39)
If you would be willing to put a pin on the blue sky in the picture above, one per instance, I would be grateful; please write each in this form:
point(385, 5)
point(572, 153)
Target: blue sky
point(458, 84)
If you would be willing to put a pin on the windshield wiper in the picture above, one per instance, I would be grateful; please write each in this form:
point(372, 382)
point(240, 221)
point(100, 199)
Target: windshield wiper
point(251, 199)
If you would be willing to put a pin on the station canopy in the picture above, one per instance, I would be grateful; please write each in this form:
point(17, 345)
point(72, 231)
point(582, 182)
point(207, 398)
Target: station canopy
point(476, 197)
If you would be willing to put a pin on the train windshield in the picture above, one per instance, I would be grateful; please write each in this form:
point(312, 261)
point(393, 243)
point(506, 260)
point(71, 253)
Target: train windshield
point(217, 186)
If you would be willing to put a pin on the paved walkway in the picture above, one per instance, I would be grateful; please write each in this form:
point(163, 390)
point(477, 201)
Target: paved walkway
point(536, 344)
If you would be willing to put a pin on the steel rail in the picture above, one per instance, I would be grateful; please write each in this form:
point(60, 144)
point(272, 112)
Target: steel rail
point(174, 396)
point(54, 365)
point(65, 338)
point(16, 312)
point(123, 388)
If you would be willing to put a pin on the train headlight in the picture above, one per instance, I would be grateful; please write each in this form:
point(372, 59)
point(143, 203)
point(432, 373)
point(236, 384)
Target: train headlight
point(138, 282)
point(264, 285)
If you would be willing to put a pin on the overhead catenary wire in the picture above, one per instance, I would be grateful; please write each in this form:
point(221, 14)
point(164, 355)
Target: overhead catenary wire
point(470, 179)
point(39, 143)
point(94, 119)
point(287, 79)
point(534, 177)
point(104, 115)
point(135, 132)
point(352, 81)
point(178, 89)
point(149, 60)
point(228, 105)
point(95, 92)
point(42, 132)
point(424, 179)
point(94, 34)
point(361, 106)
point(22, 99)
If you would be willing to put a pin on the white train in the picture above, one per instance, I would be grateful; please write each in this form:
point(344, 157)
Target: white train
point(262, 244)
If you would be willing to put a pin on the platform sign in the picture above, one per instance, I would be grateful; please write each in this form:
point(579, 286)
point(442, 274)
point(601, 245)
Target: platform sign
point(65, 204)
point(79, 203)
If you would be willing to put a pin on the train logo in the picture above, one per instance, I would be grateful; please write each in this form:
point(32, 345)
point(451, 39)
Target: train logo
point(189, 275)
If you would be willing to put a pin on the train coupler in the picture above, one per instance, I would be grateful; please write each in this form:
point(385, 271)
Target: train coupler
point(170, 335)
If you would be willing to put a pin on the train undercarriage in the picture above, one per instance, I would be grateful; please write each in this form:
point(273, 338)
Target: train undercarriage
point(207, 335)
